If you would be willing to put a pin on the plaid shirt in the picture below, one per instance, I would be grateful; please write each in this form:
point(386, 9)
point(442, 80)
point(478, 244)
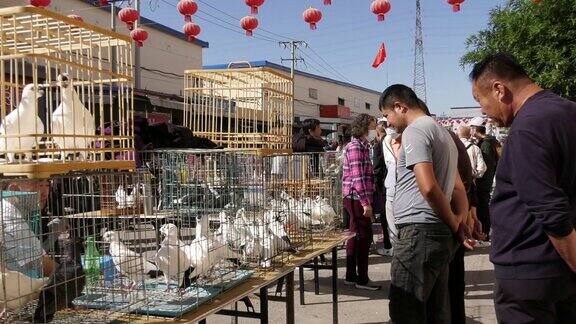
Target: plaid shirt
point(358, 172)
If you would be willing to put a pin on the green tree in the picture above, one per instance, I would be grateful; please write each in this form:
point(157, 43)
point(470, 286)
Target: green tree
point(541, 36)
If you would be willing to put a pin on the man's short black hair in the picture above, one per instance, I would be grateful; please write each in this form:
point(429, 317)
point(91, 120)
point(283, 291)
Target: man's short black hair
point(401, 93)
point(501, 65)
point(310, 125)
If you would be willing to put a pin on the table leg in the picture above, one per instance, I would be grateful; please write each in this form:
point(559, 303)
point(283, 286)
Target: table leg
point(264, 305)
point(334, 285)
point(301, 284)
point(316, 280)
point(290, 298)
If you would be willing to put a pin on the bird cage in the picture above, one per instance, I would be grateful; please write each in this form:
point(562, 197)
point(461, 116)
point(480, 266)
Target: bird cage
point(56, 265)
point(248, 108)
point(310, 186)
point(66, 98)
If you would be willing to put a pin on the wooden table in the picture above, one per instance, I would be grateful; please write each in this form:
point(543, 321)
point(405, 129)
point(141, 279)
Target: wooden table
point(260, 282)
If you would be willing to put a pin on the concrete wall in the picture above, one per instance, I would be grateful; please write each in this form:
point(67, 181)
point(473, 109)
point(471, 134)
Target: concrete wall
point(328, 94)
point(162, 51)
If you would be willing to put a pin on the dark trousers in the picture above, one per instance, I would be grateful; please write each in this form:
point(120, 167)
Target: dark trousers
point(541, 301)
point(419, 285)
point(456, 287)
point(483, 208)
point(358, 248)
point(379, 207)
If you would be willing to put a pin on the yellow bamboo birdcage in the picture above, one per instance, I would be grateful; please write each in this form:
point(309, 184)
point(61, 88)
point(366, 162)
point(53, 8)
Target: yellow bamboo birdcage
point(66, 99)
point(246, 108)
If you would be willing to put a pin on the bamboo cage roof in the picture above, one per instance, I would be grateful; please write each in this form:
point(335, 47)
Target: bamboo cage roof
point(32, 30)
point(248, 76)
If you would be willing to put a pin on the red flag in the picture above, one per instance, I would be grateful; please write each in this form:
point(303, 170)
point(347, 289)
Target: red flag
point(380, 57)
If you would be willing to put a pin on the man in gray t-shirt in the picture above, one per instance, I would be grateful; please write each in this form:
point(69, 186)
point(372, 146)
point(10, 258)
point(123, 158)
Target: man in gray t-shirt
point(423, 141)
point(429, 208)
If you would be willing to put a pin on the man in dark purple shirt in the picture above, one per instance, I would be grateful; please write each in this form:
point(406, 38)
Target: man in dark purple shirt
point(533, 210)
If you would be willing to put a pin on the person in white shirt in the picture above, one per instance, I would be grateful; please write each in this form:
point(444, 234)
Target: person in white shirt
point(474, 152)
point(391, 149)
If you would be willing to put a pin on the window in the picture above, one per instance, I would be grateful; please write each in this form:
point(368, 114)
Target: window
point(313, 93)
point(341, 101)
point(367, 106)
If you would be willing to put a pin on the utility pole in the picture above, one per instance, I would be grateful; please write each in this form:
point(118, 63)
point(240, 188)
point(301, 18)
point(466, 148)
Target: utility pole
point(293, 45)
point(137, 50)
point(419, 85)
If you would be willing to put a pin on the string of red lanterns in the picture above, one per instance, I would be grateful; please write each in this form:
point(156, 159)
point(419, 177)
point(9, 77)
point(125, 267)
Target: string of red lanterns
point(129, 16)
point(103, 3)
point(249, 23)
point(191, 30)
point(327, 2)
point(187, 8)
point(254, 4)
point(40, 3)
point(312, 16)
point(139, 35)
point(455, 4)
point(380, 8)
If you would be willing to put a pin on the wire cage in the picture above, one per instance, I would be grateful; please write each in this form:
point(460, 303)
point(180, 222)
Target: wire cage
point(72, 262)
point(310, 187)
point(240, 108)
point(66, 97)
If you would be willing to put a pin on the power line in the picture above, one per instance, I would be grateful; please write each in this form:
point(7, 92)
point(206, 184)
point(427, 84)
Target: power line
point(326, 62)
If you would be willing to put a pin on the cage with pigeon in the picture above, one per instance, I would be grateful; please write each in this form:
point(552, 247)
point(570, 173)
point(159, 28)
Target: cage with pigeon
point(249, 108)
point(75, 263)
point(66, 98)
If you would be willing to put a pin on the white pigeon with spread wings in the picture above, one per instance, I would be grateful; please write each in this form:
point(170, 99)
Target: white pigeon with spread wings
point(72, 118)
point(127, 262)
point(22, 120)
point(17, 289)
point(171, 258)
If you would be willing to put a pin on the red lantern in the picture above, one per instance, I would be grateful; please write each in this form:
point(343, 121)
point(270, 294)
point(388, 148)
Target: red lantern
point(254, 4)
point(103, 3)
point(380, 8)
point(139, 35)
point(187, 8)
point(327, 2)
point(76, 17)
point(312, 16)
point(249, 23)
point(40, 3)
point(455, 4)
point(191, 30)
point(128, 16)
point(536, 1)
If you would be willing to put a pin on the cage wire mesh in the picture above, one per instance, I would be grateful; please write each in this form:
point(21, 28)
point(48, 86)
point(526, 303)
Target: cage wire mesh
point(195, 189)
point(240, 108)
point(63, 99)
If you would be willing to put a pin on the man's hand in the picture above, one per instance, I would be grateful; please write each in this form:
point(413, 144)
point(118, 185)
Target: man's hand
point(464, 236)
point(368, 211)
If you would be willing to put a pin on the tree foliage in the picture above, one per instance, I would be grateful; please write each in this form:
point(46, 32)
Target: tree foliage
point(541, 36)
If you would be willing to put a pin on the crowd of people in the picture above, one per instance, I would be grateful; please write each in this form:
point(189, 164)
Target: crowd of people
point(438, 193)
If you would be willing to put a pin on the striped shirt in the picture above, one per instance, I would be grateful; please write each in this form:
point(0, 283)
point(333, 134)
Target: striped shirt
point(358, 172)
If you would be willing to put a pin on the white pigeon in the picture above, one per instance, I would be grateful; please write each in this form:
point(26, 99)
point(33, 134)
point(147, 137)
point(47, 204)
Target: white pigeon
point(273, 236)
point(72, 118)
point(120, 197)
point(17, 289)
point(322, 212)
point(128, 262)
point(22, 120)
point(204, 254)
point(171, 258)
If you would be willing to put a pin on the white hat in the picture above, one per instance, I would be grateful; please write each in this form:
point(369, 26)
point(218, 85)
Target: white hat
point(476, 121)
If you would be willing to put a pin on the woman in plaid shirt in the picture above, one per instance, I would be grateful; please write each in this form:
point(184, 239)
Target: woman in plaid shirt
point(357, 189)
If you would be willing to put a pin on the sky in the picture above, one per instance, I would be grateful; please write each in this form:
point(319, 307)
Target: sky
point(346, 40)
